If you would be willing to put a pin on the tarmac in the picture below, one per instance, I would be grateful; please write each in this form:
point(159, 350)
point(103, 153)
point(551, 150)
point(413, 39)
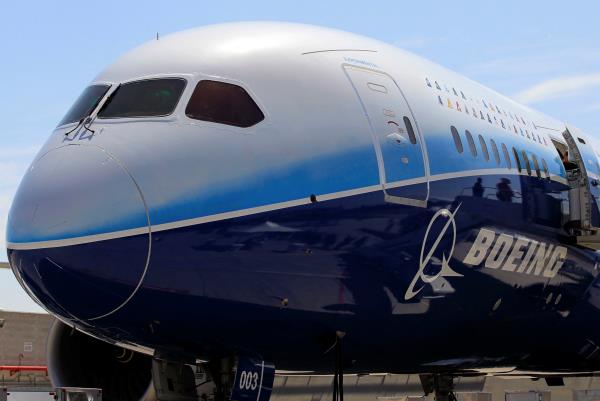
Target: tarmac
point(397, 388)
point(23, 343)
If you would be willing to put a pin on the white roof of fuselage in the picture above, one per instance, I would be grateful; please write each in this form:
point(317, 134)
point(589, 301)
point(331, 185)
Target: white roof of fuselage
point(237, 50)
point(224, 48)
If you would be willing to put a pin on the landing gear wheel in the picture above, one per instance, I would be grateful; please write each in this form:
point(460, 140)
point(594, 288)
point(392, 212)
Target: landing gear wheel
point(441, 385)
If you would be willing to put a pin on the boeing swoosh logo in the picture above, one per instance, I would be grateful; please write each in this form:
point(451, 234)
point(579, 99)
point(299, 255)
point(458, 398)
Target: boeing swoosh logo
point(446, 271)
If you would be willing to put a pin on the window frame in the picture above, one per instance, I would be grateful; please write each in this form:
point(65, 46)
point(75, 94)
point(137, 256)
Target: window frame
point(495, 151)
point(457, 140)
point(471, 142)
point(536, 166)
point(410, 130)
point(526, 160)
point(192, 87)
point(110, 87)
point(506, 156)
point(545, 167)
point(517, 161)
point(173, 112)
point(484, 148)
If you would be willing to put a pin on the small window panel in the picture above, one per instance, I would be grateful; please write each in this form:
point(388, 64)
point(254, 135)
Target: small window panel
point(223, 103)
point(484, 149)
point(545, 166)
point(457, 140)
point(506, 156)
point(411, 132)
point(526, 160)
point(536, 166)
point(495, 151)
point(471, 142)
point(517, 161)
point(145, 98)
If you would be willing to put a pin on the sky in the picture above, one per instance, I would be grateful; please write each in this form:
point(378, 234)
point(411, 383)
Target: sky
point(542, 53)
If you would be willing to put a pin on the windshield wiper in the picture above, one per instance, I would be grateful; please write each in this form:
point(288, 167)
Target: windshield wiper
point(77, 126)
point(107, 100)
point(87, 124)
point(87, 120)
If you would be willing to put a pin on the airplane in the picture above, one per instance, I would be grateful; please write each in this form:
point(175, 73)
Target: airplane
point(238, 198)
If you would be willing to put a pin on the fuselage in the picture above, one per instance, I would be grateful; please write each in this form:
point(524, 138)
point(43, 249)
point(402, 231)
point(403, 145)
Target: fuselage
point(370, 192)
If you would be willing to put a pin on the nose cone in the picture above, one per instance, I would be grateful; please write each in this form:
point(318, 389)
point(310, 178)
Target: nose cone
point(78, 232)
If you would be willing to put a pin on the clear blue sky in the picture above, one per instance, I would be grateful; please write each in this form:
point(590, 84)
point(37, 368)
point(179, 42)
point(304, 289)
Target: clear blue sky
point(545, 53)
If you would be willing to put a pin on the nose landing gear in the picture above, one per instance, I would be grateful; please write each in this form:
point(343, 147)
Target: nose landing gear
point(441, 385)
point(237, 378)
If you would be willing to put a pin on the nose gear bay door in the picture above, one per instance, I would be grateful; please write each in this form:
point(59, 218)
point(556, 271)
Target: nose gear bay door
point(398, 143)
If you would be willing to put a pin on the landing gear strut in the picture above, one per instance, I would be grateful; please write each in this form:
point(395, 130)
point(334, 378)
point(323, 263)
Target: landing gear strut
point(338, 375)
point(442, 385)
point(222, 374)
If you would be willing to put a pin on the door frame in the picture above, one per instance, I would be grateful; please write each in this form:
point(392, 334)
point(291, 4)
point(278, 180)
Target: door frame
point(587, 198)
point(377, 146)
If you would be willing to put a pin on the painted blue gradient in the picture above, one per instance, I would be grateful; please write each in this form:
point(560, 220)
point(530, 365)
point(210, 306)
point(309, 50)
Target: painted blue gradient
point(322, 175)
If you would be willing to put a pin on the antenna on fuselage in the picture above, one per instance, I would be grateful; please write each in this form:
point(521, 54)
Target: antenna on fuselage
point(157, 36)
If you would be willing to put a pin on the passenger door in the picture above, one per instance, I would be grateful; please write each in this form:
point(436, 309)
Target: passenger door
point(583, 153)
point(398, 144)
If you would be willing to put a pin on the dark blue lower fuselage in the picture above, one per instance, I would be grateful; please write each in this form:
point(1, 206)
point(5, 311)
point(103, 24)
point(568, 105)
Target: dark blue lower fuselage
point(281, 283)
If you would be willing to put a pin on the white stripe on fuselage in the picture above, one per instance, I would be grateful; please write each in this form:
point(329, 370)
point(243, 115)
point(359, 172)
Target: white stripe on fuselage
point(259, 209)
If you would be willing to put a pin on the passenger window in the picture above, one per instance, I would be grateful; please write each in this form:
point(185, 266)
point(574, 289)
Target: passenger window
point(411, 132)
point(495, 151)
point(484, 149)
point(147, 98)
point(526, 160)
point(223, 103)
point(506, 156)
point(536, 166)
point(517, 161)
point(471, 143)
point(457, 141)
point(545, 166)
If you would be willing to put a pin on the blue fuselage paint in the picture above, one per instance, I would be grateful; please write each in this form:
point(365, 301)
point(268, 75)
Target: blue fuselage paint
point(281, 290)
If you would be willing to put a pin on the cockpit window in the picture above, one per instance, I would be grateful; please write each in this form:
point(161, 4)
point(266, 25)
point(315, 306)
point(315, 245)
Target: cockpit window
point(223, 103)
point(85, 104)
point(147, 98)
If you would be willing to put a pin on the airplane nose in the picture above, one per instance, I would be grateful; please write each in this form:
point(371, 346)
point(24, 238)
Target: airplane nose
point(78, 232)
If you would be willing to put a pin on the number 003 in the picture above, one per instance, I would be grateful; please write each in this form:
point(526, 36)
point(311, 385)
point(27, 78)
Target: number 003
point(248, 380)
